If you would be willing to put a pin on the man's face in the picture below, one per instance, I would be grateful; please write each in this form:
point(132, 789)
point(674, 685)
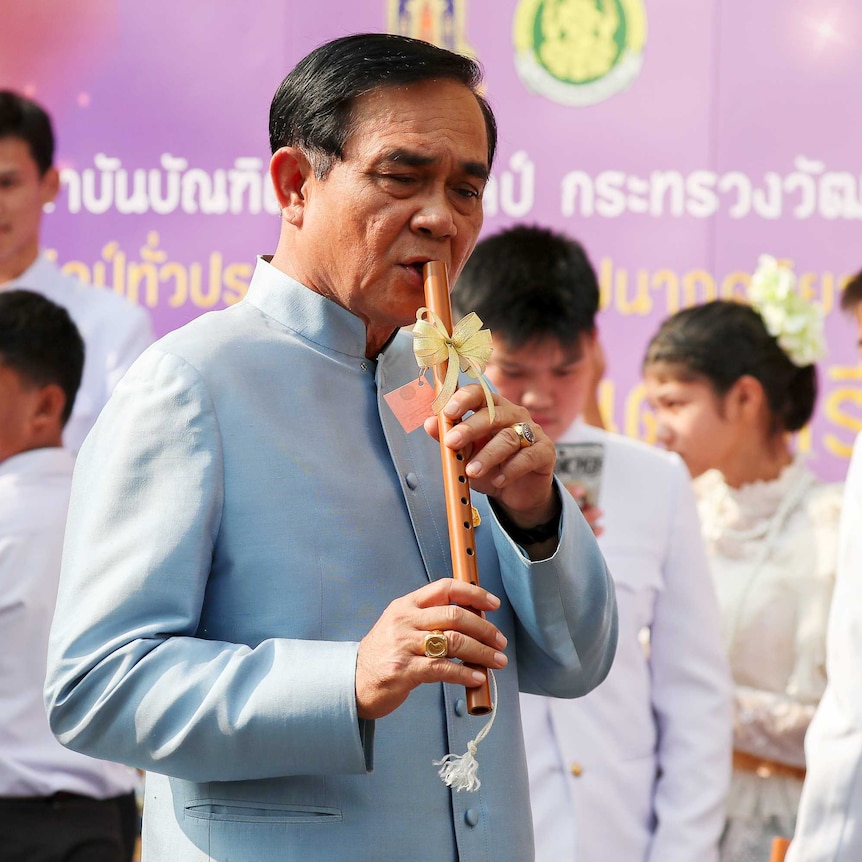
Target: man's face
point(23, 193)
point(857, 313)
point(408, 190)
point(19, 401)
point(551, 381)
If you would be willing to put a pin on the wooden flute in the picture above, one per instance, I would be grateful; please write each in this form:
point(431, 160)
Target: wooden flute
point(459, 510)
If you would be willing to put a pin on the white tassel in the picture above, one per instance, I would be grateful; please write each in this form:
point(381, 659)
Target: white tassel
point(461, 771)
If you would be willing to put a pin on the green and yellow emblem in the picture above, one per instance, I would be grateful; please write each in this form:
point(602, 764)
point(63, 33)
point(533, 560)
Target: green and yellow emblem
point(579, 52)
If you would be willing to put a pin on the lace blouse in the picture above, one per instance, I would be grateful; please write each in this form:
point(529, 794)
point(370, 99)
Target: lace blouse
point(773, 550)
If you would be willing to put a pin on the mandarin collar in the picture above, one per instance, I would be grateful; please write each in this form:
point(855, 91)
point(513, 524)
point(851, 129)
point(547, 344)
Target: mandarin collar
point(310, 315)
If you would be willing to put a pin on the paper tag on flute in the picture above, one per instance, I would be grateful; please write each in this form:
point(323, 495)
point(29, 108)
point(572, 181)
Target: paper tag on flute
point(411, 403)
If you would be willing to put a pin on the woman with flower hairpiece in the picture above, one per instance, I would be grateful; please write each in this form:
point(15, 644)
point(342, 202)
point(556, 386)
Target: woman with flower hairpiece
point(730, 383)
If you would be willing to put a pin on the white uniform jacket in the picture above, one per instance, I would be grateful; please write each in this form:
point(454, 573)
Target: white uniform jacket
point(638, 769)
point(829, 827)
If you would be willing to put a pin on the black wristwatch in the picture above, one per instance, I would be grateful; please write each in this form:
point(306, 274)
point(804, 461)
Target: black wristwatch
point(528, 536)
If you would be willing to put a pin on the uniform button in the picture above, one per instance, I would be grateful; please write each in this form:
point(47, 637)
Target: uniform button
point(471, 817)
point(576, 769)
point(460, 706)
point(412, 481)
point(364, 366)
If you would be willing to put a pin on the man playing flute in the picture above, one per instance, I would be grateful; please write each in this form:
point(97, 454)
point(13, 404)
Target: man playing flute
point(257, 553)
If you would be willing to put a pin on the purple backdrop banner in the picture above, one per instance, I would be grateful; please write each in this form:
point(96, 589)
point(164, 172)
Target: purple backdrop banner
point(677, 140)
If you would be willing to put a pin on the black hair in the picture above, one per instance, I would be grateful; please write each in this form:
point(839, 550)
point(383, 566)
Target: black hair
point(22, 118)
point(39, 340)
point(312, 109)
point(851, 296)
point(529, 283)
point(720, 342)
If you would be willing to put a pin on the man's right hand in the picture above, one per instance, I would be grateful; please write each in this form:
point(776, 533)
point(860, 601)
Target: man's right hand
point(391, 661)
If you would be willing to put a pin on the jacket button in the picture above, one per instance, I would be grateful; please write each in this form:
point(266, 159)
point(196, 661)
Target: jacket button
point(460, 706)
point(412, 481)
point(471, 817)
point(576, 769)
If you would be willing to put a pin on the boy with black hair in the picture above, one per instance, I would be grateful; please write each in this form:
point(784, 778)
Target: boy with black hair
point(55, 804)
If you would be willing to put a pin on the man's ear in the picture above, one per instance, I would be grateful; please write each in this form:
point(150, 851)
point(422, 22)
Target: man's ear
point(290, 171)
point(50, 185)
point(47, 414)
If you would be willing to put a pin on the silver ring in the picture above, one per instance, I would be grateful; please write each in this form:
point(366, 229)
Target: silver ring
point(436, 645)
point(526, 437)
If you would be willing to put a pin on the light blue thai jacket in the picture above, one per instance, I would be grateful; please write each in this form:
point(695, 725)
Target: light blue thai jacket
point(241, 515)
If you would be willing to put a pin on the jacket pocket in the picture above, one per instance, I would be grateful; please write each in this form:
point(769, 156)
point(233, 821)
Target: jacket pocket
point(259, 812)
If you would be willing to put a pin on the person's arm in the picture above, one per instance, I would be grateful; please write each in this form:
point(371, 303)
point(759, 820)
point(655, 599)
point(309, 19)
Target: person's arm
point(691, 696)
point(844, 639)
point(828, 827)
point(568, 625)
point(128, 678)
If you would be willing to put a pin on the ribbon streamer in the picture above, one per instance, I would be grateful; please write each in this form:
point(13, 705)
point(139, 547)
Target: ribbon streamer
point(468, 349)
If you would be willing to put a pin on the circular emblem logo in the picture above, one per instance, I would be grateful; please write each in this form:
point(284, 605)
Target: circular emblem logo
point(579, 52)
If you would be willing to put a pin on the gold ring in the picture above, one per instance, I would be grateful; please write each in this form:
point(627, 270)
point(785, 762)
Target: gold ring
point(436, 645)
point(525, 434)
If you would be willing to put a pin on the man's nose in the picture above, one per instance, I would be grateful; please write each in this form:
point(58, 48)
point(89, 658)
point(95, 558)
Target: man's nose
point(435, 216)
point(535, 395)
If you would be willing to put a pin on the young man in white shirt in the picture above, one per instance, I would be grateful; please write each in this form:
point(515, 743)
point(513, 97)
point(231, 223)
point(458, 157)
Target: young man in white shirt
point(637, 770)
point(52, 801)
point(114, 330)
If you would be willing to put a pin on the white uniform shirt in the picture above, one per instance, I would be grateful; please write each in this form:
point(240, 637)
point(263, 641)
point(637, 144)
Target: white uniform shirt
point(638, 769)
point(34, 497)
point(830, 813)
point(115, 333)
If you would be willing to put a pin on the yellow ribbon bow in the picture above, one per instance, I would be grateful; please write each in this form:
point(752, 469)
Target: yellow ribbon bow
point(468, 349)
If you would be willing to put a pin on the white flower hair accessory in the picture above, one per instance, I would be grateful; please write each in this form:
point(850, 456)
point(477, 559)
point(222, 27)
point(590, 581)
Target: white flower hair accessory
point(797, 325)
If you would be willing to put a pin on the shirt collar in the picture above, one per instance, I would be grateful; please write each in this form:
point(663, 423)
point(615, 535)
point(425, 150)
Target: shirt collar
point(38, 273)
point(51, 459)
point(310, 315)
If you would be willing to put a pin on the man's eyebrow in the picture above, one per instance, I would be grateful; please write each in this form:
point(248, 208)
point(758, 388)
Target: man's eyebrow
point(415, 160)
